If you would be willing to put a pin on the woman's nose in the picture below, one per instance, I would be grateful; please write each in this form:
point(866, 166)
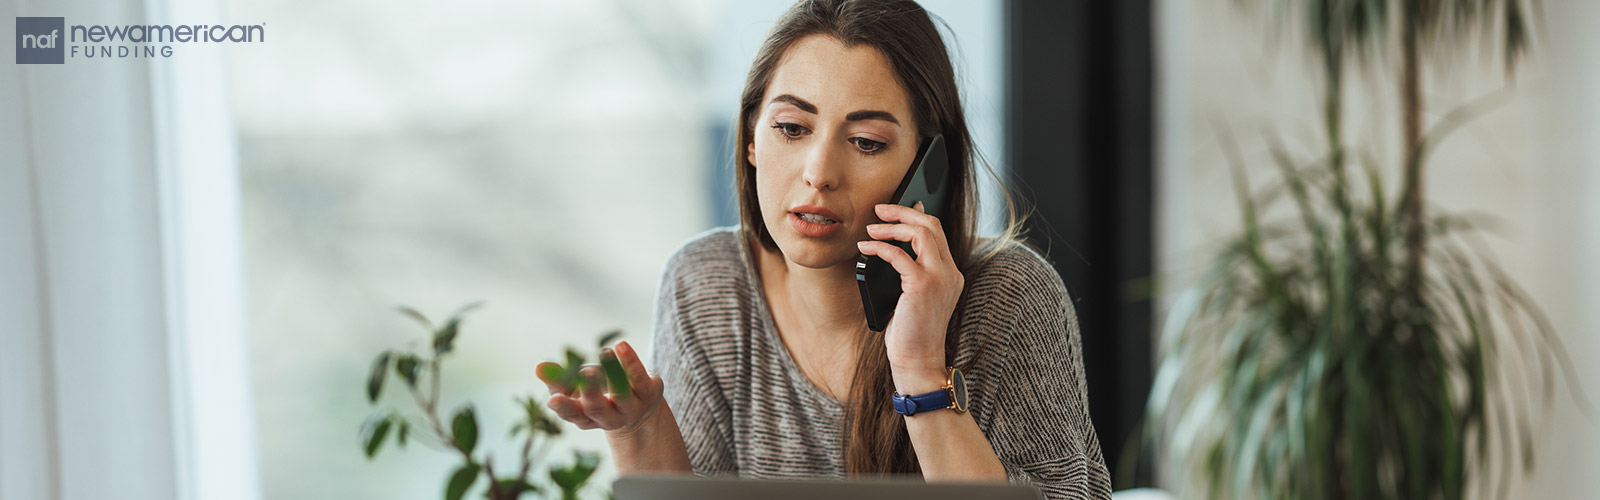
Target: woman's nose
point(822, 170)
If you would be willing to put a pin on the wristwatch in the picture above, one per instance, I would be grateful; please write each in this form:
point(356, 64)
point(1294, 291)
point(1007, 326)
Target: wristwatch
point(952, 396)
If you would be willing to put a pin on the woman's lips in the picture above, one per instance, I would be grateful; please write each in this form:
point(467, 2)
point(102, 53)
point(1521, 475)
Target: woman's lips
point(816, 222)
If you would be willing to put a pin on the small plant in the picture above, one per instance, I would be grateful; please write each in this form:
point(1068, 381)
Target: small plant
point(420, 372)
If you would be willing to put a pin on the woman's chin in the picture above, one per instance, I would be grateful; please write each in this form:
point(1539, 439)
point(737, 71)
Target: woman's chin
point(813, 254)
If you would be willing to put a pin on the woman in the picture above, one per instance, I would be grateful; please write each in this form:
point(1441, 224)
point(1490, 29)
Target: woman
point(764, 363)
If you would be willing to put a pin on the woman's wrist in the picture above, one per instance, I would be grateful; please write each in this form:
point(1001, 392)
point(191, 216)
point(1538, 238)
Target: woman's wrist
point(919, 377)
point(648, 424)
point(654, 444)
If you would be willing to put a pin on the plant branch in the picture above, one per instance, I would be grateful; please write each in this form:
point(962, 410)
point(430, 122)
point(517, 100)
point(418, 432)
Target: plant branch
point(430, 409)
point(527, 462)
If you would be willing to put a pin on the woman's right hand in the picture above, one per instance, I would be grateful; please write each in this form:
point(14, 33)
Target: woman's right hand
point(644, 437)
point(596, 407)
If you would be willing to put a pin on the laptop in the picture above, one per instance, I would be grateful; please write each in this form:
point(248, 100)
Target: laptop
point(693, 488)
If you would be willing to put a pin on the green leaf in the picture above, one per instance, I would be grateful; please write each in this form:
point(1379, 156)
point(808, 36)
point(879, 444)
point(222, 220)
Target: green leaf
point(463, 310)
point(553, 372)
point(572, 377)
point(416, 316)
point(444, 340)
point(616, 376)
point(537, 420)
point(461, 480)
point(407, 366)
point(516, 486)
point(464, 429)
point(572, 477)
point(380, 367)
point(610, 337)
point(377, 430)
point(405, 430)
point(533, 419)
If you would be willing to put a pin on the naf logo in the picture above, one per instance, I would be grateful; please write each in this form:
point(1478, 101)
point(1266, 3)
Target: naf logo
point(40, 40)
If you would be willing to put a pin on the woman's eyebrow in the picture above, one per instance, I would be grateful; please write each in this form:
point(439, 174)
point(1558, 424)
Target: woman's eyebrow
point(854, 116)
point(797, 102)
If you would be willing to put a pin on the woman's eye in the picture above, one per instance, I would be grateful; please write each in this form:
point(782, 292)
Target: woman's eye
point(790, 131)
point(868, 146)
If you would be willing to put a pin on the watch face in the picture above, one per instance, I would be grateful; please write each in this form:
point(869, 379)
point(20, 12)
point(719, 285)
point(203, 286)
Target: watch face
point(958, 385)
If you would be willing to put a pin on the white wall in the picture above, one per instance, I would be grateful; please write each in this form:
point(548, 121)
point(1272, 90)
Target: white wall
point(1531, 163)
point(1565, 250)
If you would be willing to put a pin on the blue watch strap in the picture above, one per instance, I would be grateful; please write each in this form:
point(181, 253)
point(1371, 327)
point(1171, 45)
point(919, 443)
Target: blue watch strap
point(912, 405)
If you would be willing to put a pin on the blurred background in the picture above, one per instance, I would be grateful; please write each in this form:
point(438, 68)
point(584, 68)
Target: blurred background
point(201, 254)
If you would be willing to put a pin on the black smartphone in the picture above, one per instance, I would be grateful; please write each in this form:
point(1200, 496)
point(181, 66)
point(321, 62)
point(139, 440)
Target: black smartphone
point(928, 182)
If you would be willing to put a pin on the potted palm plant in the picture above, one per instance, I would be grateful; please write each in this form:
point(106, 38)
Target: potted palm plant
point(1360, 347)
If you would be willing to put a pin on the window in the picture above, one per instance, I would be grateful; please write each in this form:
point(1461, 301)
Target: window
point(545, 157)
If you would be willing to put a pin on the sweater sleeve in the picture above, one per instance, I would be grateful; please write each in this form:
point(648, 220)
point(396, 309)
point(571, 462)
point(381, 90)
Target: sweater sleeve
point(690, 388)
point(1039, 421)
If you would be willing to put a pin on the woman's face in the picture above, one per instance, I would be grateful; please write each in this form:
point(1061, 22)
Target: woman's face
point(834, 138)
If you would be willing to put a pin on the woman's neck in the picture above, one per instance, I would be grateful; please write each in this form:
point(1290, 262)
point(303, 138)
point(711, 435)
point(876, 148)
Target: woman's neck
point(825, 303)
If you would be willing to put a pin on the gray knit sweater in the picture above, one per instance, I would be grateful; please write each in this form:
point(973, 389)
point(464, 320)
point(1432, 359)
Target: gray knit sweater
point(746, 409)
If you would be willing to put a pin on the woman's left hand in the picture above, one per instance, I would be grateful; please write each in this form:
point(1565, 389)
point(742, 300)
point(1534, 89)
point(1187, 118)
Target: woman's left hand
point(930, 287)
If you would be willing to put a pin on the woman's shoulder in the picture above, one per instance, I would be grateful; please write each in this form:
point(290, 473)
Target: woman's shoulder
point(704, 285)
point(716, 250)
point(1014, 272)
point(1015, 301)
point(707, 275)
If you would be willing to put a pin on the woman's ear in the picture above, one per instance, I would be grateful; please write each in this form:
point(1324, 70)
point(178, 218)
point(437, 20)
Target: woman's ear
point(750, 152)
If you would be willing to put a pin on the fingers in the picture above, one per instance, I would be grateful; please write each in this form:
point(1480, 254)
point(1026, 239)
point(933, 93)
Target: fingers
point(593, 382)
point(922, 239)
point(587, 409)
point(555, 386)
point(570, 410)
point(924, 232)
point(896, 257)
point(586, 412)
point(645, 390)
point(592, 407)
point(890, 212)
point(596, 405)
point(638, 376)
point(562, 402)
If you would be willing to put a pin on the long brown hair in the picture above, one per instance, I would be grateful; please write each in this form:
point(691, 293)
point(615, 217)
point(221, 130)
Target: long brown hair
point(906, 36)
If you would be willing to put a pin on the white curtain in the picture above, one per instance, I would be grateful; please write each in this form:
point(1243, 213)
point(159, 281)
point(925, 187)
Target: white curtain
point(122, 352)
